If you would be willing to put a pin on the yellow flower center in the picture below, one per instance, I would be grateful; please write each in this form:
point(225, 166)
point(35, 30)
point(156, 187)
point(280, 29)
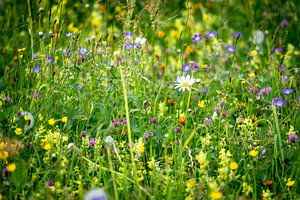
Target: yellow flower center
point(185, 84)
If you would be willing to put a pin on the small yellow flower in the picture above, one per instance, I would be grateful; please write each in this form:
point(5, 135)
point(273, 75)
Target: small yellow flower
point(64, 119)
point(3, 155)
point(191, 183)
point(253, 53)
point(251, 74)
point(216, 195)
point(18, 131)
point(201, 104)
point(40, 117)
point(46, 146)
point(3, 145)
point(290, 183)
point(51, 121)
point(201, 158)
point(188, 50)
point(11, 167)
point(233, 165)
point(27, 118)
point(161, 34)
point(175, 34)
point(253, 153)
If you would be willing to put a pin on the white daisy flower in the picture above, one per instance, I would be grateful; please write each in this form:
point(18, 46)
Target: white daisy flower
point(29, 119)
point(184, 82)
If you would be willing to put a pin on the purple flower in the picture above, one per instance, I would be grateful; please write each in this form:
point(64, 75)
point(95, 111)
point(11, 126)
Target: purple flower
point(129, 35)
point(83, 133)
point(153, 120)
point(128, 46)
point(265, 91)
point(123, 121)
point(207, 121)
point(279, 102)
point(262, 152)
point(224, 114)
point(137, 46)
point(284, 23)
point(37, 95)
point(277, 50)
point(281, 68)
point(217, 109)
point(186, 68)
point(177, 129)
point(149, 134)
point(92, 142)
point(195, 66)
point(211, 34)
point(237, 34)
point(50, 183)
point(7, 99)
point(230, 48)
point(95, 194)
point(251, 89)
point(69, 34)
point(36, 69)
point(286, 78)
point(50, 58)
point(79, 87)
point(5, 172)
point(197, 37)
point(293, 138)
point(287, 91)
point(82, 51)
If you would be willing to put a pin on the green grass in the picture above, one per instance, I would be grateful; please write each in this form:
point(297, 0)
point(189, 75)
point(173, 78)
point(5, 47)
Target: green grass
point(106, 116)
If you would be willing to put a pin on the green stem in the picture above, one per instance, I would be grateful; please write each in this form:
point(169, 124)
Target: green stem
point(30, 29)
point(128, 121)
point(112, 174)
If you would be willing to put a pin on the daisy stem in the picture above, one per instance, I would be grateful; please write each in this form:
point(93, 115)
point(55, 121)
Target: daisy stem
point(189, 100)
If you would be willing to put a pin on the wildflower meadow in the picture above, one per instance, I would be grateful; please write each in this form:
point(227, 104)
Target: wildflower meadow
point(149, 99)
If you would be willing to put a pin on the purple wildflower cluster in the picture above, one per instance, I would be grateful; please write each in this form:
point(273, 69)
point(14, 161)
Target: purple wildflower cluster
point(119, 121)
point(192, 66)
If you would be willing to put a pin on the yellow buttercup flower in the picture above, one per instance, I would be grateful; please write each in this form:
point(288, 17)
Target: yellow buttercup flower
point(233, 165)
point(11, 167)
point(251, 74)
point(3, 155)
point(216, 195)
point(290, 182)
point(51, 121)
point(46, 146)
point(18, 131)
point(253, 153)
point(64, 119)
point(201, 104)
point(161, 34)
point(188, 50)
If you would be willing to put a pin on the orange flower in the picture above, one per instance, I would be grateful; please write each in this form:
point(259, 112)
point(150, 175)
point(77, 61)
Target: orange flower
point(182, 120)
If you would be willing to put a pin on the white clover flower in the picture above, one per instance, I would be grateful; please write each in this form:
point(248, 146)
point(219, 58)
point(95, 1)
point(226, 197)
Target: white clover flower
point(185, 82)
point(109, 140)
point(97, 193)
point(258, 37)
